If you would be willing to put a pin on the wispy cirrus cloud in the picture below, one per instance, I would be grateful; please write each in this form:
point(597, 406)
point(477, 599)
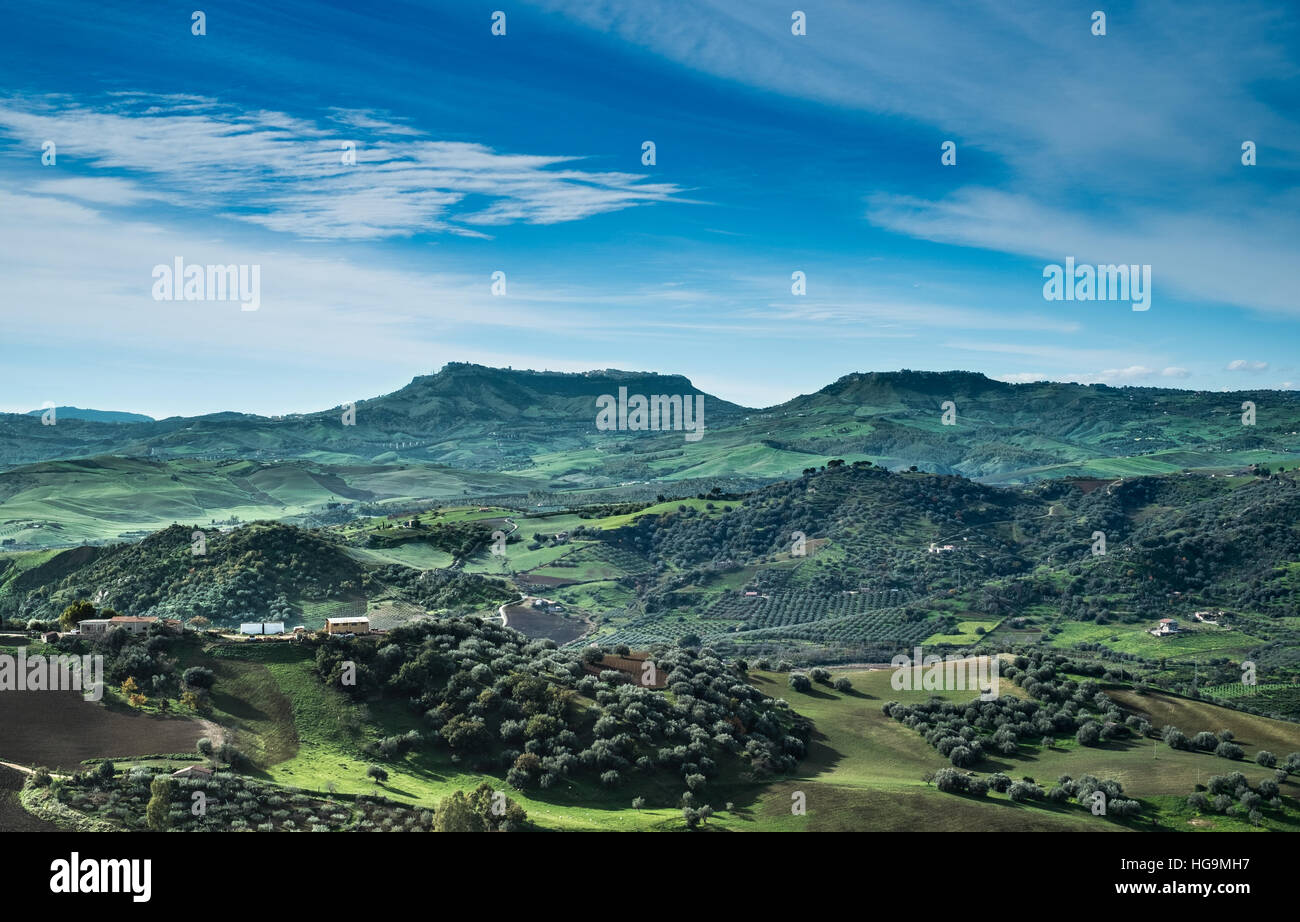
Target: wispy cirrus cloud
point(288, 173)
point(1244, 258)
point(1088, 145)
point(1132, 374)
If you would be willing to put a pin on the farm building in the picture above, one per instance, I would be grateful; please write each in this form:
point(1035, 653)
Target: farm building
point(101, 626)
point(262, 627)
point(633, 666)
point(347, 625)
point(1165, 627)
point(193, 771)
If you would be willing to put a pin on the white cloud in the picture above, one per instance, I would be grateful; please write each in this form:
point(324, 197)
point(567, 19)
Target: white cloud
point(1244, 365)
point(1025, 80)
point(1023, 377)
point(97, 190)
point(1224, 258)
point(1129, 375)
point(1132, 373)
point(881, 311)
point(285, 173)
point(1099, 137)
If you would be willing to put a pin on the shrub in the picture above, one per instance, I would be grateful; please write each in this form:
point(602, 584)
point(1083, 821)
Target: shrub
point(1123, 808)
point(1226, 750)
point(1022, 791)
point(199, 677)
point(1176, 739)
point(1205, 740)
point(962, 757)
point(951, 781)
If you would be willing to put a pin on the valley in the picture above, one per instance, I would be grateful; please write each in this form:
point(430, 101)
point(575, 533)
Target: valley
point(757, 551)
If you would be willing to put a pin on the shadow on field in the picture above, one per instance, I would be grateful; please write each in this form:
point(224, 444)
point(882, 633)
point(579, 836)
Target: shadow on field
point(813, 692)
point(861, 695)
point(238, 707)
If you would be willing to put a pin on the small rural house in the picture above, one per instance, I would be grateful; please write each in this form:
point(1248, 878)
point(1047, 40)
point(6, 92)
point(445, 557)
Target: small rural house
point(347, 625)
point(193, 771)
point(1166, 626)
point(101, 626)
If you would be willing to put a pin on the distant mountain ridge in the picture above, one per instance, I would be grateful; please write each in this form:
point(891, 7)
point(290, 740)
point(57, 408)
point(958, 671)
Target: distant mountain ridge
point(473, 417)
point(97, 416)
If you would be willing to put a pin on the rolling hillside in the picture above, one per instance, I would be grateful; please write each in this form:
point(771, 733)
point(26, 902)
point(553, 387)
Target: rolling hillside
point(61, 503)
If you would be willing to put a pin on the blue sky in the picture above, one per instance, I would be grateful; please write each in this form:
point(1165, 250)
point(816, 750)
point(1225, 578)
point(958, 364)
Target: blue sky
point(522, 153)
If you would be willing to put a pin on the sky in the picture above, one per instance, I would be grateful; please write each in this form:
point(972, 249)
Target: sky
point(522, 154)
